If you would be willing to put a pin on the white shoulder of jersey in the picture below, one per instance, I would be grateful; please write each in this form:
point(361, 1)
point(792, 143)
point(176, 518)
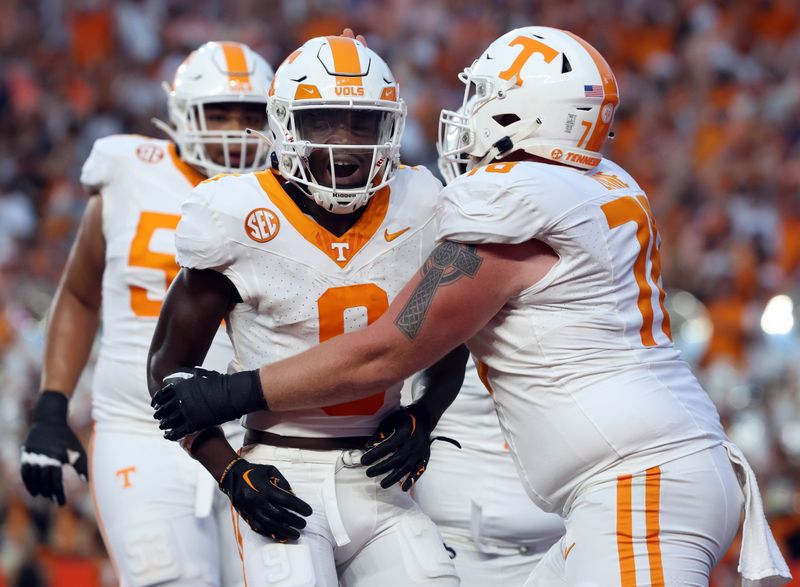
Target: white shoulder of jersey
point(511, 203)
point(203, 236)
point(415, 190)
point(614, 176)
point(109, 153)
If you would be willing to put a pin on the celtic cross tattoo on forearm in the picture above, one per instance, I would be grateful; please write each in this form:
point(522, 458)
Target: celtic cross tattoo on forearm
point(448, 263)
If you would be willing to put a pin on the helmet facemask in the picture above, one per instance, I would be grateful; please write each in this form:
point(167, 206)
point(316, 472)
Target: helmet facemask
point(339, 154)
point(239, 151)
point(485, 97)
point(454, 130)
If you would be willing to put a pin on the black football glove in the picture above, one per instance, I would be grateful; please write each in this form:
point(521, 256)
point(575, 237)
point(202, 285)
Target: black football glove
point(50, 445)
point(264, 498)
point(401, 447)
point(197, 399)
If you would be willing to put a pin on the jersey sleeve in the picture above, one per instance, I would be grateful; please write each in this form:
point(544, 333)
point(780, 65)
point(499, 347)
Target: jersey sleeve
point(491, 208)
point(199, 238)
point(97, 169)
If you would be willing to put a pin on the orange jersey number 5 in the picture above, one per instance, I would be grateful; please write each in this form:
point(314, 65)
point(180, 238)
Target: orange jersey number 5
point(142, 256)
point(636, 209)
point(332, 306)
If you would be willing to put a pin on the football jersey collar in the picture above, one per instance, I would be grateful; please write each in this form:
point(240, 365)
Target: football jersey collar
point(340, 249)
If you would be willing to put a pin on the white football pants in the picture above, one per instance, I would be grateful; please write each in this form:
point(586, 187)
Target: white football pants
point(666, 525)
point(359, 534)
point(162, 517)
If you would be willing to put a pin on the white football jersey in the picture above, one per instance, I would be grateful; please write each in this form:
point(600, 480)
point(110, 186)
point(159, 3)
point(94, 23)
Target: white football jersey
point(142, 182)
point(302, 285)
point(581, 364)
point(476, 489)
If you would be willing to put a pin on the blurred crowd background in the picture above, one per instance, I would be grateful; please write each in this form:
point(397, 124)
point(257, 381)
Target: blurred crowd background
point(709, 124)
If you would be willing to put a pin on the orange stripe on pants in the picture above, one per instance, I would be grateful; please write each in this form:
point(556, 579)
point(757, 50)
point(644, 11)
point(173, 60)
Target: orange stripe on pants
point(652, 503)
point(627, 566)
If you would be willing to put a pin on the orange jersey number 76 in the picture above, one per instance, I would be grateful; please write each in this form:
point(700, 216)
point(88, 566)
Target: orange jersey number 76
point(637, 210)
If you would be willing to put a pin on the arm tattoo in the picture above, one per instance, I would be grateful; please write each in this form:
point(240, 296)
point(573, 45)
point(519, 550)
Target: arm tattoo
point(448, 263)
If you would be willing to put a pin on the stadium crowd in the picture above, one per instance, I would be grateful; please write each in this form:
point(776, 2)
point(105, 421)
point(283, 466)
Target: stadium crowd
point(709, 124)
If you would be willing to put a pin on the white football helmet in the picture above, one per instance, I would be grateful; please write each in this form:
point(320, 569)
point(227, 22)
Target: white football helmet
point(217, 72)
point(537, 89)
point(336, 81)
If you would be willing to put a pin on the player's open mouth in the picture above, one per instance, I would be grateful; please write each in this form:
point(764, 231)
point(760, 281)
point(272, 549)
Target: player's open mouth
point(349, 172)
point(345, 171)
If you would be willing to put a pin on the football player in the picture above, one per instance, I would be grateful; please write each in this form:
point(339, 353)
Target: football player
point(548, 264)
point(161, 521)
point(493, 532)
point(293, 256)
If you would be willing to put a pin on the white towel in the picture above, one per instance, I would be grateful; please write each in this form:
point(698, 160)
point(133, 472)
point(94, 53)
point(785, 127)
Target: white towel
point(760, 561)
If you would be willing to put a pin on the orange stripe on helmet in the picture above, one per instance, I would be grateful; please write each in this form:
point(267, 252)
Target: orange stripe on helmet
point(236, 61)
point(610, 96)
point(346, 63)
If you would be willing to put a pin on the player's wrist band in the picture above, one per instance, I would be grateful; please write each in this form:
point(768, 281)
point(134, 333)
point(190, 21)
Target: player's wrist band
point(227, 470)
point(51, 407)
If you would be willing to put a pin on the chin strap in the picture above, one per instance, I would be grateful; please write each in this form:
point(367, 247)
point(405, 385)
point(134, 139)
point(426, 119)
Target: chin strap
point(506, 144)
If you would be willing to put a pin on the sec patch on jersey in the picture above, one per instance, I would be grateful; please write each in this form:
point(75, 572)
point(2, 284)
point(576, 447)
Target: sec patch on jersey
point(262, 225)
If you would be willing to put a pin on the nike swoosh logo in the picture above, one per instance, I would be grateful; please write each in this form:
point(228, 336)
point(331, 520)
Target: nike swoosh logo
point(390, 236)
point(569, 549)
point(246, 477)
point(309, 90)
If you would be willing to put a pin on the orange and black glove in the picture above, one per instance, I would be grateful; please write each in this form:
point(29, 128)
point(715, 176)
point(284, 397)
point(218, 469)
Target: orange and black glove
point(264, 499)
point(401, 447)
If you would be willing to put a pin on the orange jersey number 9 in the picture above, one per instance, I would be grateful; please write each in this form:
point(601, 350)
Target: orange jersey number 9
point(637, 210)
point(142, 256)
point(332, 306)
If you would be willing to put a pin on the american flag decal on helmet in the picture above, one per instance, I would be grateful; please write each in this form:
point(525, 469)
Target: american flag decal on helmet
point(593, 91)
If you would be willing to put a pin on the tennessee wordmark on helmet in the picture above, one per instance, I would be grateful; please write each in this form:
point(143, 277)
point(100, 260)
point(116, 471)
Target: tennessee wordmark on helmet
point(328, 84)
point(537, 89)
point(217, 73)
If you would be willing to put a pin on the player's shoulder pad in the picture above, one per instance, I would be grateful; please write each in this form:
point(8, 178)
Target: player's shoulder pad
point(111, 155)
point(504, 202)
point(146, 149)
point(203, 235)
point(225, 188)
point(613, 176)
point(416, 187)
